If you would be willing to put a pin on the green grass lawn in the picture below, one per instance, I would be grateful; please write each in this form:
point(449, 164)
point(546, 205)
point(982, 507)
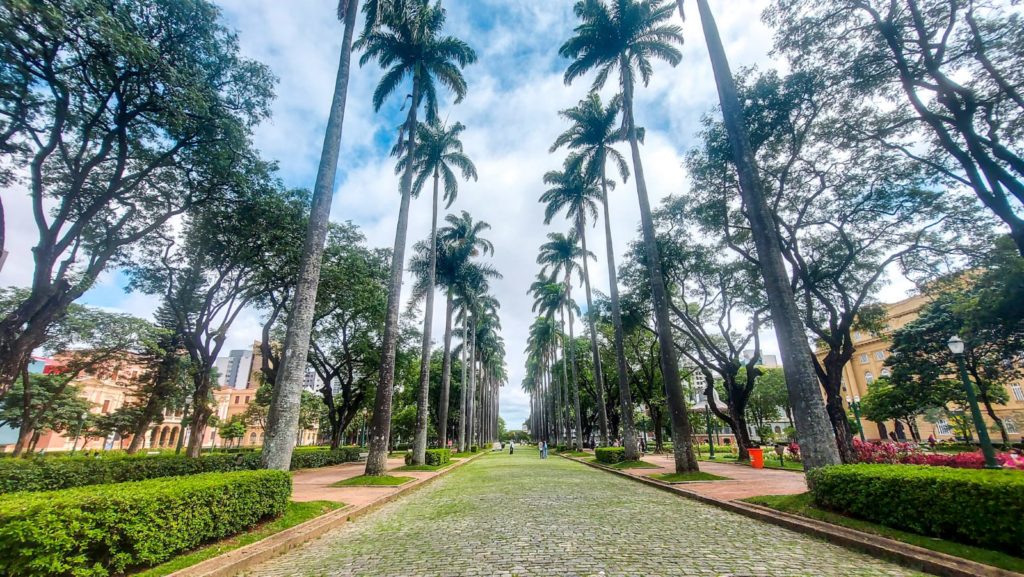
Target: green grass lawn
point(373, 481)
point(769, 463)
point(803, 505)
point(424, 467)
point(295, 514)
point(686, 477)
point(627, 464)
point(465, 454)
point(578, 454)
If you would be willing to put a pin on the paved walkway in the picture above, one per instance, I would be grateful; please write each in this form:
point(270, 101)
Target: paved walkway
point(520, 516)
point(744, 481)
point(315, 484)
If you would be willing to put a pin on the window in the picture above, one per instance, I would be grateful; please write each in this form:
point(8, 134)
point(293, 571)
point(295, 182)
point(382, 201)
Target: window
point(237, 399)
point(106, 407)
point(1011, 426)
point(856, 336)
point(869, 377)
point(247, 399)
point(944, 428)
point(1018, 393)
point(886, 372)
point(864, 358)
point(879, 355)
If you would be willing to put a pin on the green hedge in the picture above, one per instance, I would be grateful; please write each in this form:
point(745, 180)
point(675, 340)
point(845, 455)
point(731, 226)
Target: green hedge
point(53, 474)
point(610, 455)
point(438, 457)
point(473, 449)
point(110, 529)
point(973, 506)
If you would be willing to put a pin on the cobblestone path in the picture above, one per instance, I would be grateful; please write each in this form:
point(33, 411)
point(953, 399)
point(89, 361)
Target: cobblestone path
point(520, 516)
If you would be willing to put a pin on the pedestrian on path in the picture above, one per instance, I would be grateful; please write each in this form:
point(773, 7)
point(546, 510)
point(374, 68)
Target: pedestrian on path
point(511, 447)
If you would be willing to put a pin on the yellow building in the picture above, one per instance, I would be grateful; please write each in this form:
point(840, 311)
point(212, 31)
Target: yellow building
point(867, 365)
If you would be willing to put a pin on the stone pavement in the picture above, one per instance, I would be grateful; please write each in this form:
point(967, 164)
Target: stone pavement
point(315, 484)
point(521, 516)
point(744, 481)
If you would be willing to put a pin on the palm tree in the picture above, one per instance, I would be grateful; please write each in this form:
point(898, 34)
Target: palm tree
point(408, 45)
point(540, 346)
point(816, 436)
point(439, 149)
point(572, 192)
point(623, 38)
point(283, 416)
point(562, 255)
point(454, 246)
point(593, 131)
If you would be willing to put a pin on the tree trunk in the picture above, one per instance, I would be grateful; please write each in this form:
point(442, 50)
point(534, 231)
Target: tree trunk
point(471, 393)
point(283, 415)
point(685, 460)
point(446, 373)
point(578, 440)
point(153, 408)
point(463, 385)
point(985, 400)
point(817, 441)
point(419, 449)
point(26, 430)
point(380, 426)
point(625, 395)
point(602, 415)
point(659, 436)
point(200, 413)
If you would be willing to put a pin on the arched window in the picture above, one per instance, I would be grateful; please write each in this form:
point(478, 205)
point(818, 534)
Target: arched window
point(252, 438)
point(869, 377)
point(886, 372)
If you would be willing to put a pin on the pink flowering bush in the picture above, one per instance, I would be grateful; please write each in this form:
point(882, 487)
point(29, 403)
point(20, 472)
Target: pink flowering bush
point(794, 450)
point(908, 454)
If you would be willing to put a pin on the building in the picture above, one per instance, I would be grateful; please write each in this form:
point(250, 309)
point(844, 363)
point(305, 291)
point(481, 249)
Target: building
point(868, 364)
point(115, 384)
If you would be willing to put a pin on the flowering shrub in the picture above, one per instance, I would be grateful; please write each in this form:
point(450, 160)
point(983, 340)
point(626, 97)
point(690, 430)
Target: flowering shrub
point(794, 450)
point(908, 454)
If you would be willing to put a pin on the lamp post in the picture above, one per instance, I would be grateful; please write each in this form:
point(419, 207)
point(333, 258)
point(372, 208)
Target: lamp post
point(81, 423)
point(780, 450)
point(711, 442)
point(956, 346)
point(854, 403)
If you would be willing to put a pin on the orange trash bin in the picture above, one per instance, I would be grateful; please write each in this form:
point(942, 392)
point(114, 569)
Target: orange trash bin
point(757, 458)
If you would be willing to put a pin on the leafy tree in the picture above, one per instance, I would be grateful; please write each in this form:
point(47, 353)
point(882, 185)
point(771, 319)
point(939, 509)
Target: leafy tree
point(906, 401)
point(232, 430)
point(121, 422)
point(769, 399)
point(949, 68)
point(845, 211)
point(217, 267)
point(408, 44)
point(121, 115)
point(623, 38)
point(283, 419)
point(48, 403)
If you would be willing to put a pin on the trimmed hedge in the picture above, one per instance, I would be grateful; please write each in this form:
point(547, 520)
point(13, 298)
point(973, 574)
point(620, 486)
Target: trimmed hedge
point(610, 455)
point(438, 457)
point(473, 449)
point(110, 529)
point(53, 474)
point(983, 507)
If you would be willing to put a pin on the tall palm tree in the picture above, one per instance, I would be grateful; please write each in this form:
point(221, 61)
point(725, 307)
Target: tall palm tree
point(572, 192)
point(562, 254)
point(817, 440)
point(623, 38)
point(541, 342)
point(455, 244)
point(439, 150)
point(283, 416)
point(408, 44)
point(592, 134)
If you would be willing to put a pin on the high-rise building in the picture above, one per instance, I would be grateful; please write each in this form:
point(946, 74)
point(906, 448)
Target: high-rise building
point(233, 370)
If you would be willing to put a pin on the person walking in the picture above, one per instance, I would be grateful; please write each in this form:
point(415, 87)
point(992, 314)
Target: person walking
point(511, 447)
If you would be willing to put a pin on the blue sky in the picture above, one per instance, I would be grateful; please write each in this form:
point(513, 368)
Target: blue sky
point(515, 93)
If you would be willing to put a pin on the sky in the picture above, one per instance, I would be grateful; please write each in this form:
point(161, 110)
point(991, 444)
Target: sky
point(511, 115)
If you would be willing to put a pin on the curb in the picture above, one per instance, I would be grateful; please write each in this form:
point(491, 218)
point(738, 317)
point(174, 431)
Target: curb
point(908, 555)
point(235, 561)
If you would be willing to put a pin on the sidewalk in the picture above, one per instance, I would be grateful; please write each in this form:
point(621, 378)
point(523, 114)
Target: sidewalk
point(315, 484)
point(744, 481)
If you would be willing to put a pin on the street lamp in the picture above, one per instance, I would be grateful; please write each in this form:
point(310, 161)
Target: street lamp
point(711, 442)
point(78, 432)
point(956, 346)
point(854, 403)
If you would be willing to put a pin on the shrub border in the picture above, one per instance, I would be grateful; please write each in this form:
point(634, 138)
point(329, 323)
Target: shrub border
point(911, 556)
point(234, 562)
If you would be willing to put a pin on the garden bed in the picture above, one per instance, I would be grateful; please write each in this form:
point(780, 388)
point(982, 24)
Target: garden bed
point(373, 481)
point(694, 477)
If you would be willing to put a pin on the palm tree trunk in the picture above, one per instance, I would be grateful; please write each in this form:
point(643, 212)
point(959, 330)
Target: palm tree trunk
point(817, 441)
point(419, 450)
point(283, 415)
point(471, 394)
point(685, 460)
point(380, 424)
point(463, 386)
point(578, 443)
point(446, 373)
point(602, 414)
